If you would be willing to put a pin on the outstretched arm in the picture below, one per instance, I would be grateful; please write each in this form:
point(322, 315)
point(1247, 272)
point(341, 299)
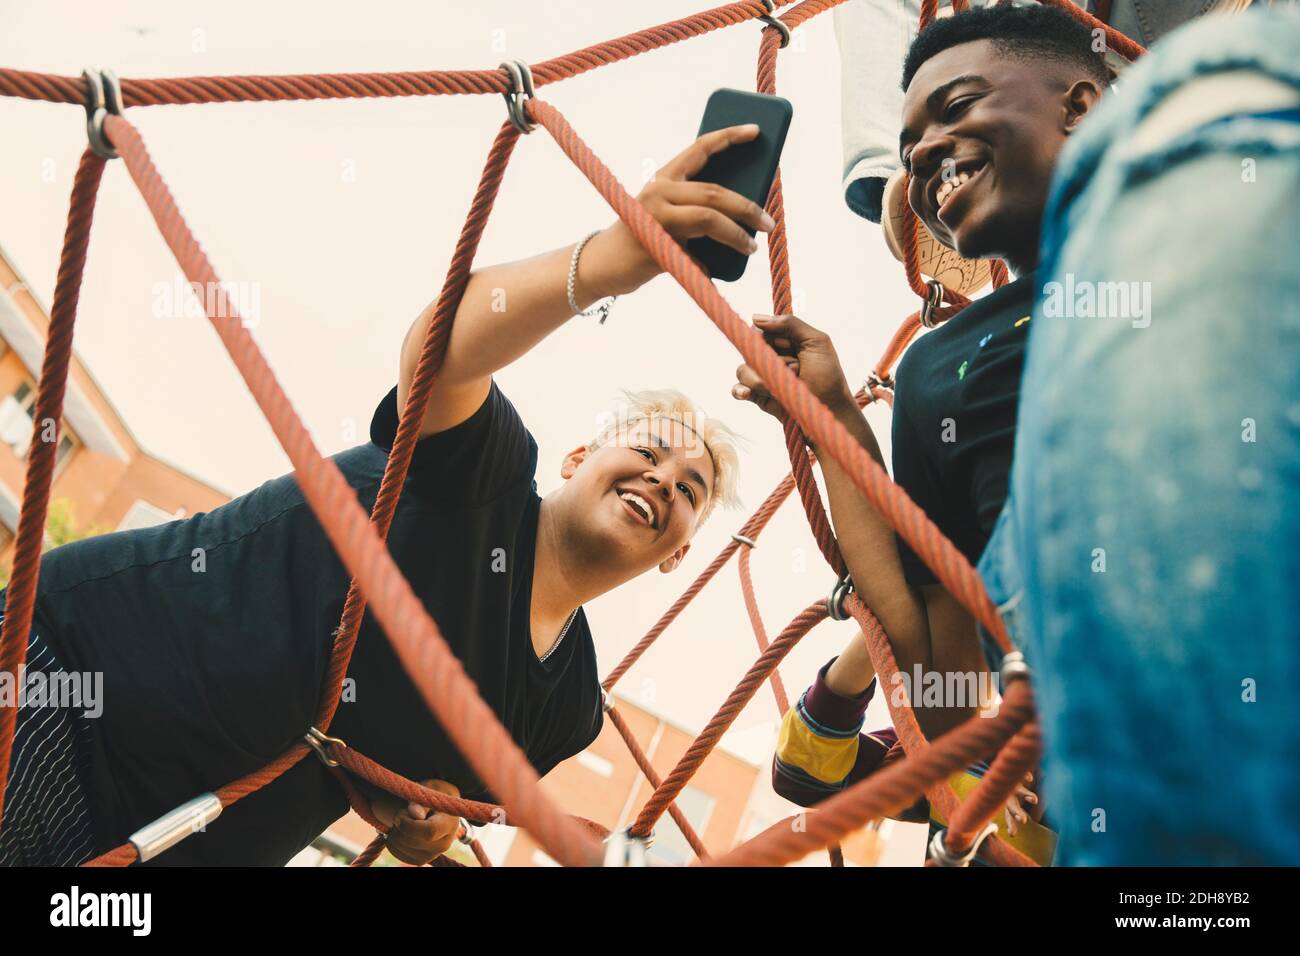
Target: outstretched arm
point(507, 309)
point(925, 625)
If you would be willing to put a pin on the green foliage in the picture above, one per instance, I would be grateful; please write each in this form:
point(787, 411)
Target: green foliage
point(60, 529)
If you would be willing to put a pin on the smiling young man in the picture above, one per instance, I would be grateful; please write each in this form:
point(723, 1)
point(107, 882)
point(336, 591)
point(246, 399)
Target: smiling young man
point(213, 633)
point(991, 97)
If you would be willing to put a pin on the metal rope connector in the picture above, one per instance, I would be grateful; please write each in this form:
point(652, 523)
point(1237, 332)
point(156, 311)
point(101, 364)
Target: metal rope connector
point(624, 849)
point(932, 303)
point(521, 85)
point(874, 380)
point(942, 856)
point(835, 600)
point(470, 833)
point(744, 539)
point(175, 826)
point(103, 98)
point(1014, 668)
point(778, 25)
point(317, 740)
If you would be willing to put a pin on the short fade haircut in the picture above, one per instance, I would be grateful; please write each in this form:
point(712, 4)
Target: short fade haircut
point(1017, 33)
point(718, 440)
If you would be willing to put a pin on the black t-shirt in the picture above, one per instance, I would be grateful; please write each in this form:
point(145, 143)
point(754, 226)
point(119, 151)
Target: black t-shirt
point(213, 635)
point(955, 402)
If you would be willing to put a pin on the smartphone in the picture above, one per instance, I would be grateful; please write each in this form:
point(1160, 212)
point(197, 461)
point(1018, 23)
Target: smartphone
point(746, 168)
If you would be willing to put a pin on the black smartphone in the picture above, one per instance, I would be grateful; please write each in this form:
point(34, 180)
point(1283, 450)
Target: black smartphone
point(746, 168)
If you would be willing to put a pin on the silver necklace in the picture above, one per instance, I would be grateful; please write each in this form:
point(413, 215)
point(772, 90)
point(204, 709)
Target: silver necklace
point(552, 648)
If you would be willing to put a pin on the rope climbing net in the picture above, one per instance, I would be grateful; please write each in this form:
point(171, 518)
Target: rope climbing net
point(359, 538)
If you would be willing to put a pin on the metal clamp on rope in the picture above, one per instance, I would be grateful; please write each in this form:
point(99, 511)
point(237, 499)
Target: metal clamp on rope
point(1014, 668)
point(932, 303)
point(744, 539)
point(171, 828)
point(942, 856)
point(772, 21)
point(521, 85)
point(606, 700)
point(624, 849)
point(318, 741)
point(103, 98)
point(874, 382)
point(470, 834)
point(835, 600)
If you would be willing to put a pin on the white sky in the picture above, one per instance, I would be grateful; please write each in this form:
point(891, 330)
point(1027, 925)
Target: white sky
point(344, 267)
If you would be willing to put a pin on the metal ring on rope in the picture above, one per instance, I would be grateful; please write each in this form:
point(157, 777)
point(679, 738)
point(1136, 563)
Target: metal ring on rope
point(468, 834)
point(779, 25)
point(874, 381)
point(1014, 668)
point(624, 849)
point(318, 741)
point(835, 600)
point(932, 303)
point(521, 85)
point(103, 98)
point(942, 856)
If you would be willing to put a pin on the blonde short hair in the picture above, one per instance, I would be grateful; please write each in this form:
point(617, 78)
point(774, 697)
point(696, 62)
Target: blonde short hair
point(719, 440)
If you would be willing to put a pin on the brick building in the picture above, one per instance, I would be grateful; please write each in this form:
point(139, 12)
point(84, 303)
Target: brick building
point(110, 482)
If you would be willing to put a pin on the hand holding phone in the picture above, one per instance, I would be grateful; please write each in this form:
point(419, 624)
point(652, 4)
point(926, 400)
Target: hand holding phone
point(615, 263)
point(747, 168)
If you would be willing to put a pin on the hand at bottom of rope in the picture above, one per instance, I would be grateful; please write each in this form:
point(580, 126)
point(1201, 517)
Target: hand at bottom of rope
point(416, 834)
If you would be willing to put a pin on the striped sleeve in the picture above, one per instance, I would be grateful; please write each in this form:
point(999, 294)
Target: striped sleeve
point(822, 750)
point(821, 747)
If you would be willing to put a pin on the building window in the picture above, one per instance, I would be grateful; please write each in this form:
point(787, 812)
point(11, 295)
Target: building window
point(597, 765)
point(670, 844)
point(142, 514)
point(16, 425)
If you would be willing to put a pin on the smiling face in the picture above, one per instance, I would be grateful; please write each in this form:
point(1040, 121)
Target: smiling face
point(981, 134)
point(634, 502)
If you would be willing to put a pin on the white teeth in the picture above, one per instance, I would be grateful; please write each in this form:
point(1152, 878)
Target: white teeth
point(951, 185)
point(640, 504)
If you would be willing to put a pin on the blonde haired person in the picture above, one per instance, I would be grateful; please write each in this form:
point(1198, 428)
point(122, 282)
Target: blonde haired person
point(213, 666)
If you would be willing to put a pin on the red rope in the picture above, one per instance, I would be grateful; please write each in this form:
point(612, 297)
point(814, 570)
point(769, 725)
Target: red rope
point(643, 761)
point(703, 744)
point(951, 567)
point(20, 597)
point(227, 89)
point(434, 670)
point(1118, 41)
point(1016, 759)
point(760, 632)
point(887, 791)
